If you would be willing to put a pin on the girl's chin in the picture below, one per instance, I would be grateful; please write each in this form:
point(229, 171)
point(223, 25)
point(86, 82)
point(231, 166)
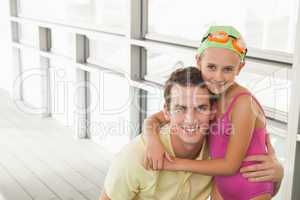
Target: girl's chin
point(217, 90)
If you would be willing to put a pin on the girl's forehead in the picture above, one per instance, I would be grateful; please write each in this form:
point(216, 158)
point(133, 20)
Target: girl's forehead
point(220, 54)
point(220, 59)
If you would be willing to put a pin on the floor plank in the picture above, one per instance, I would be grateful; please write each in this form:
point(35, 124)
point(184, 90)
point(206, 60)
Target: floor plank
point(40, 159)
point(32, 184)
point(9, 188)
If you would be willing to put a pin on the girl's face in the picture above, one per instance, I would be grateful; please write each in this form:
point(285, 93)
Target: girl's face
point(219, 68)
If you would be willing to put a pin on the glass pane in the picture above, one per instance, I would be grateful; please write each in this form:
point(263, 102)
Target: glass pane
point(29, 35)
point(6, 77)
point(109, 107)
point(63, 84)
point(85, 13)
point(31, 79)
point(261, 27)
point(280, 145)
point(63, 43)
point(161, 64)
point(109, 53)
point(271, 85)
point(155, 102)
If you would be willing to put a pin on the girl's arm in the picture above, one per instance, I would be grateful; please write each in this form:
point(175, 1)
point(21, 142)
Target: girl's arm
point(155, 151)
point(243, 122)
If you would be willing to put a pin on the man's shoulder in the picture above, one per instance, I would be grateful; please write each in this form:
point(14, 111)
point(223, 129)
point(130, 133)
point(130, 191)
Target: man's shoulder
point(129, 162)
point(132, 154)
point(133, 151)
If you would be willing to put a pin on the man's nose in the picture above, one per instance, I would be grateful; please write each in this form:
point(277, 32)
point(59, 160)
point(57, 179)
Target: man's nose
point(190, 116)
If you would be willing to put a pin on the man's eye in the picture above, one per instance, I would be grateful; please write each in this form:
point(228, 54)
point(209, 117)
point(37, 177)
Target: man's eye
point(202, 108)
point(211, 67)
point(179, 110)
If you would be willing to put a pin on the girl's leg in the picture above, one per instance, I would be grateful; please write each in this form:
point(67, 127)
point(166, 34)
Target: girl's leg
point(263, 197)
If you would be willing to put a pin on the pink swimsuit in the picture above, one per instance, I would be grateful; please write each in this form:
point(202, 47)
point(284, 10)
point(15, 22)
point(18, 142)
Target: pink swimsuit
point(237, 187)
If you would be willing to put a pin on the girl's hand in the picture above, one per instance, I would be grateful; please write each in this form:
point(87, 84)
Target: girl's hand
point(268, 169)
point(154, 156)
point(172, 165)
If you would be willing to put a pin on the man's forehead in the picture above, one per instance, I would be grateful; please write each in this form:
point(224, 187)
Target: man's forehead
point(190, 92)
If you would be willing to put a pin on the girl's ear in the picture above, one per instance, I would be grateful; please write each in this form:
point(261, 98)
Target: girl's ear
point(241, 66)
point(198, 61)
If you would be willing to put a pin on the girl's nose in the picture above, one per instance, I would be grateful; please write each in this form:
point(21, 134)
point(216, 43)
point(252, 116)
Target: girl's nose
point(219, 76)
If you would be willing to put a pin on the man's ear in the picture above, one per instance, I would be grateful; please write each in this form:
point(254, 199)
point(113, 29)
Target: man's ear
point(166, 112)
point(241, 66)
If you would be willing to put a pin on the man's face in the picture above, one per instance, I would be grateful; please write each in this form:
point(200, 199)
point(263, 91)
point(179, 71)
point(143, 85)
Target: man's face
point(189, 112)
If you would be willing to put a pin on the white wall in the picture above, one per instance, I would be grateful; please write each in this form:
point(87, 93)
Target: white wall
point(6, 75)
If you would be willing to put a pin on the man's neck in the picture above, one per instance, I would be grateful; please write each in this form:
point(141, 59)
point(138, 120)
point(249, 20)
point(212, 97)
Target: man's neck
point(184, 150)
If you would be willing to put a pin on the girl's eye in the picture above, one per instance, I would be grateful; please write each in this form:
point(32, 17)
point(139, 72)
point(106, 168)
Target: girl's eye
point(228, 69)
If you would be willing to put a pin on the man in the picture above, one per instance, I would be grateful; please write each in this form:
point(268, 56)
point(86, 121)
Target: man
point(187, 105)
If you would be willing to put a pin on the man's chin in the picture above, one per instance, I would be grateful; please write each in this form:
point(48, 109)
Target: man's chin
point(191, 138)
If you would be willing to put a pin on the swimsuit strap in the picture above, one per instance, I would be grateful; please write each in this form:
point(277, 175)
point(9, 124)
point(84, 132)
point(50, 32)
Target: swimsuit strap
point(235, 99)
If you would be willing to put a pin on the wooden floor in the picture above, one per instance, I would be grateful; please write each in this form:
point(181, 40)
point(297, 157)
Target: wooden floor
point(41, 159)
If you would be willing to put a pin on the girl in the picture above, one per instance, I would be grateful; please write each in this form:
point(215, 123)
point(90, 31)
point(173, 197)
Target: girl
point(239, 127)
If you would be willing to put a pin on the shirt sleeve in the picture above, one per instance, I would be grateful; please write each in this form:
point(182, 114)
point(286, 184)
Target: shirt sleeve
point(121, 182)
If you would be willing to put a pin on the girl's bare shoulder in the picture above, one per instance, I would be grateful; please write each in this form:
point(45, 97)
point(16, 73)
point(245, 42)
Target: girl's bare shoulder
point(243, 102)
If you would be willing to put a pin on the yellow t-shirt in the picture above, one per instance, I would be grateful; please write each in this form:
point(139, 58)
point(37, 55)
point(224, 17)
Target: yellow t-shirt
point(127, 179)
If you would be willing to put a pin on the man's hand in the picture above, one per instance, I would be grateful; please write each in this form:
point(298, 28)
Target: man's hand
point(154, 156)
point(268, 168)
point(104, 196)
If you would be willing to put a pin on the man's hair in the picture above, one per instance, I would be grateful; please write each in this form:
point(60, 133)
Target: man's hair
point(188, 76)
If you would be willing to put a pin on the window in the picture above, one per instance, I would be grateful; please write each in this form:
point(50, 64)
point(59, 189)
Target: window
point(271, 85)
point(161, 64)
point(155, 102)
point(109, 53)
point(29, 35)
point(271, 25)
point(85, 13)
point(63, 43)
point(109, 110)
point(63, 92)
point(31, 80)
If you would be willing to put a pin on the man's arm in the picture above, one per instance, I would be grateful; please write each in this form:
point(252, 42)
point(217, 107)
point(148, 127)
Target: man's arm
point(268, 168)
point(104, 196)
point(215, 195)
